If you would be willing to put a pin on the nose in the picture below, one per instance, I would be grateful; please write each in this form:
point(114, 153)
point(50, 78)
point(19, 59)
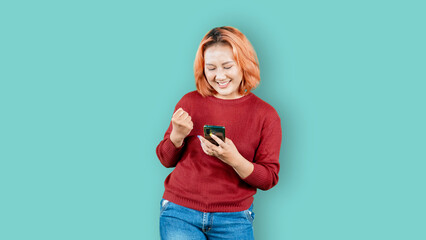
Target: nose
point(220, 76)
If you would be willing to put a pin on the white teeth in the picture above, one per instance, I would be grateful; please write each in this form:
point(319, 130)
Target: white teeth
point(224, 83)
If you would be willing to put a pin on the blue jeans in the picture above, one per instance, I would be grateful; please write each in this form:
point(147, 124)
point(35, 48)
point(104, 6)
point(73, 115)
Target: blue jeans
point(181, 223)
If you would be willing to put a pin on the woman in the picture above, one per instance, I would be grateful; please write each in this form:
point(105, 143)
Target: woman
point(209, 194)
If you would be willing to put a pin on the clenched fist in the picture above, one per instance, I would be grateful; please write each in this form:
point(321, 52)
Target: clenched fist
point(182, 126)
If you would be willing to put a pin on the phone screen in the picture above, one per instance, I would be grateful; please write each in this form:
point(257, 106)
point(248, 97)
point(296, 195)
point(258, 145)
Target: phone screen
point(219, 131)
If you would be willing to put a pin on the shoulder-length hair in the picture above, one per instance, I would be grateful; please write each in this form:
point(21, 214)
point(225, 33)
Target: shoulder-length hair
point(243, 53)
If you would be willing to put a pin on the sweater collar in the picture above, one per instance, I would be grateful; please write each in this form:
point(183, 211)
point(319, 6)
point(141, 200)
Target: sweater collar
point(230, 101)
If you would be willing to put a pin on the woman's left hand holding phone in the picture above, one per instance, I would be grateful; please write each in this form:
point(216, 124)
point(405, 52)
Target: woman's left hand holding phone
point(182, 126)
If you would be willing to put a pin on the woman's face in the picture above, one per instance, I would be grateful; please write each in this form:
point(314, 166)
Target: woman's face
point(222, 71)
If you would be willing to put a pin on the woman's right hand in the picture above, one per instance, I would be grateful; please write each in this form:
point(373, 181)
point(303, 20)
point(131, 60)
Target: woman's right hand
point(182, 126)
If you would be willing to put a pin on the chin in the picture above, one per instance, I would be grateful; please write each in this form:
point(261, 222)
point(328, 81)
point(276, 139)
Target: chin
point(224, 93)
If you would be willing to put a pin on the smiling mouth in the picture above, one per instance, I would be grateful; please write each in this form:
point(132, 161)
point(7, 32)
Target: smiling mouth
point(223, 84)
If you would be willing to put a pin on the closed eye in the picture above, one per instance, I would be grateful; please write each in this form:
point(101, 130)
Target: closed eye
point(211, 69)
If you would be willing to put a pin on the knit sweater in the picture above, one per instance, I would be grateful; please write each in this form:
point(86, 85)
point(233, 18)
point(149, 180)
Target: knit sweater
point(204, 182)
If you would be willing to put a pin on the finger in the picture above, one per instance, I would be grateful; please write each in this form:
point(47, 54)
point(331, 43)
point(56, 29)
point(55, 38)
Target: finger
point(203, 140)
point(218, 140)
point(209, 151)
point(204, 147)
point(187, 121)
point(178, 112)
point(207, 143)
point(212, 147)
point(183, 116)
point(177, 116)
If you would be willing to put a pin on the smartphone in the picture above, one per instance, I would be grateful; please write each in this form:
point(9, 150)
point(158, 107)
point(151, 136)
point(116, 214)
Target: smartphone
point(219, 131)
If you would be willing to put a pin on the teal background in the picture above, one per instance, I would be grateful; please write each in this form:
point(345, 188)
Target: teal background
point(87, 90)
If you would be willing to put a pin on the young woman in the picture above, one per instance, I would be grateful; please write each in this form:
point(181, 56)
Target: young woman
point(209, 194)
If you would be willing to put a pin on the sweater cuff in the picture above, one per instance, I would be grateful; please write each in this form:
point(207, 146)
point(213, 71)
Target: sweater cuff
point(170, 149)
point(257, 177)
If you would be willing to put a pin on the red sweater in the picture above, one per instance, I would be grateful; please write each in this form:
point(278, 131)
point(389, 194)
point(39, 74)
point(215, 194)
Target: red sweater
point(204, 182)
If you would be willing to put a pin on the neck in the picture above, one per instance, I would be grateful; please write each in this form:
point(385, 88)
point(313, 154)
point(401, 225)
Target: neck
point(228, 97)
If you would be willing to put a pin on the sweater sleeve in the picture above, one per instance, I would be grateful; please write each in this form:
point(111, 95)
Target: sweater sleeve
point(166, 151)
point(266, 160)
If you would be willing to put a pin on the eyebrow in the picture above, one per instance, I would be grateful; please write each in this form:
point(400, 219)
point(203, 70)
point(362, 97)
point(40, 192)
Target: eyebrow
point(222, 63)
